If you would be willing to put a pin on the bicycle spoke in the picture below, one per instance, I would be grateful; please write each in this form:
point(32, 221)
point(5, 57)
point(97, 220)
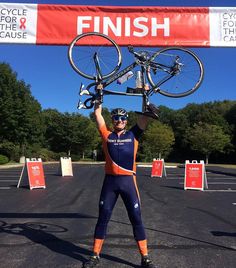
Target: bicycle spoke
point(84, 47)
point(184, 67)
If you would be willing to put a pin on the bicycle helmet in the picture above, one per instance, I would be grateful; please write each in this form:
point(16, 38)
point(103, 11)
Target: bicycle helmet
point(119, 111)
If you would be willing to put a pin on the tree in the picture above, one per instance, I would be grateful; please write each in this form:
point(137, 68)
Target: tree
point(70, 133)
point(82, 135)
point(55, 130)
point(157, 141)
point(231, 119)
point(206, 139)
point(166, 115)
point(20, 114)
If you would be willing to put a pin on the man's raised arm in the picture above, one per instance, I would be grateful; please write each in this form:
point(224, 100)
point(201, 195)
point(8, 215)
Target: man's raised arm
point(98, 112)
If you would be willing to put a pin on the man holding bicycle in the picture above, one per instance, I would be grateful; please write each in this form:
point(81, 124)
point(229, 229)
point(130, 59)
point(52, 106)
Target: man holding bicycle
point(120, 148)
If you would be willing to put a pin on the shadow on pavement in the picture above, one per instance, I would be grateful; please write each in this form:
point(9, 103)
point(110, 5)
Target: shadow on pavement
point(46, 215)
point(218, 233)
point(222, 171)
point(38, 234)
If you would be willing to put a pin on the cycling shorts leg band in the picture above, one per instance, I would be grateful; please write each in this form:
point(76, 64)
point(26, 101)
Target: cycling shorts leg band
point(142, 245)
point(97, 246)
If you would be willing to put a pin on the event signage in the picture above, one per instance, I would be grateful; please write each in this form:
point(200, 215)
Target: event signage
point(34, 177)
point(66, 167)
point(49, 24)
point(158, 168)
point(195, 175)
point(18, 23)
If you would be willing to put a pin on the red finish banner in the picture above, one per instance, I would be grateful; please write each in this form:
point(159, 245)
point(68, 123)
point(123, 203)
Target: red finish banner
point(146, 26)
point(140, 26)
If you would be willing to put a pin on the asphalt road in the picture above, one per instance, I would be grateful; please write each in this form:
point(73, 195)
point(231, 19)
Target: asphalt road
point(53, 227)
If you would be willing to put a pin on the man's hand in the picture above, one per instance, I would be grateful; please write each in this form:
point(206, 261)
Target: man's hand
point(146, 87)
point(98, 106)
point(99, 95)
point(99, 87)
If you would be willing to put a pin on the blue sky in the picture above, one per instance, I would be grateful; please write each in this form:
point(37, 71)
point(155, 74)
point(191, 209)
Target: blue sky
point(55, 84)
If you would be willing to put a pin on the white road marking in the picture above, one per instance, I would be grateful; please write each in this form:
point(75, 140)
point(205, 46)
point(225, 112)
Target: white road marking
point(7, 180)
point(221, 182)
point(229, 191)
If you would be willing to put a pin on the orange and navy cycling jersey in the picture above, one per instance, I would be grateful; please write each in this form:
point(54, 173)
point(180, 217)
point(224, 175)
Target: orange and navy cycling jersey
point(120, 151)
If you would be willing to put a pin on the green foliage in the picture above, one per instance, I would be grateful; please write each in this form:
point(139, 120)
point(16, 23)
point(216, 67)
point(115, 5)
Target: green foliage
point(215, 113)
point(230, 116)
point(166, 115)
point(75, 157)
point(208, 128)
point(210, 113)
point(3, 159)
point(11, 150)
point(158, 141)
point(207, 138)
point(106, 114)
point(70, 133)
point(132, 119)
point(20, 113)
point(47, 155)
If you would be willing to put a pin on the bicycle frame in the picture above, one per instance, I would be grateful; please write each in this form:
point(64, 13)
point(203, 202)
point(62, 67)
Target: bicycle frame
point(107, 82)
point(146, 66)
point(178, 68)
point(145, 94)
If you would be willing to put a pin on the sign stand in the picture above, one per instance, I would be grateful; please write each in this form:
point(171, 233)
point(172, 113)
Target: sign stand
point(195, 176)
point(158, 168)
point(65, 169)
point(34, 177)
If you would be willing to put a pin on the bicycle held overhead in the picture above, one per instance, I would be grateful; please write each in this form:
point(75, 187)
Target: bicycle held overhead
point(173, 71)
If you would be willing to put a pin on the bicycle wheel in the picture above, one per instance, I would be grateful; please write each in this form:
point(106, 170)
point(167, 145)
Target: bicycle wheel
point(178, 72)
point(86, 47)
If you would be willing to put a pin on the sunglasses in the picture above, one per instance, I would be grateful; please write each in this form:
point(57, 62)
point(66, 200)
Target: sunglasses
point(119, 117)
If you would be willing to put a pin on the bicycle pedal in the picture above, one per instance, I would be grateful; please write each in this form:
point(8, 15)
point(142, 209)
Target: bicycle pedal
point(81, 105)
point(84, 92)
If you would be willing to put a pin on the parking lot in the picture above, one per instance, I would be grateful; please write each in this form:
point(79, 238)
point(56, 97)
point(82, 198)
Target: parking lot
point(53, 227)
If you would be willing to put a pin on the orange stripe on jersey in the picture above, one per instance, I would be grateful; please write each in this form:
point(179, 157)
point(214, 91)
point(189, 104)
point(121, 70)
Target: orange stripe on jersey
point(135, 153)
point(112, 168)
point(136, 187)
point(104, 132)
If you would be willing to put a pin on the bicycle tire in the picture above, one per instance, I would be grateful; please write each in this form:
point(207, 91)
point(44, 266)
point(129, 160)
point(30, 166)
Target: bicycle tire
point(187, 81)
point(82, 50)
